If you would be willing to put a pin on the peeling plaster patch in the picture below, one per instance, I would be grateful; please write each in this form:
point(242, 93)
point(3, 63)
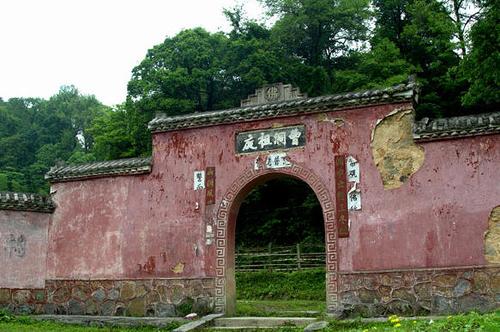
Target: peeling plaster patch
point(149, 266)
point(179, 268)
point(395, 154)
point(492, 238)
point(323, 117)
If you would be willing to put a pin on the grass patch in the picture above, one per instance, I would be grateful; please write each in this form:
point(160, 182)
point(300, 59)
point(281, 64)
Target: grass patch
point(459, 323)
point(279, 308)
point(472, 322)
point(266, 285)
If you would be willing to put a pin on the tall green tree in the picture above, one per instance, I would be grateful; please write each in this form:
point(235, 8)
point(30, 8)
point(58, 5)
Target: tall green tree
point(37, 133)
point(318, 31)
point(463, 13)
point(181, 75)
point(423, 32)
point(382, 66)
point(481, 67)
point(118, 134)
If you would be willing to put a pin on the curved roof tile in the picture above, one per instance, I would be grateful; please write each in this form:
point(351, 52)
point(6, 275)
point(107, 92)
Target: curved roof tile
point(25, 202)
point(460, 126)
point(129, 166)
point(402, 92)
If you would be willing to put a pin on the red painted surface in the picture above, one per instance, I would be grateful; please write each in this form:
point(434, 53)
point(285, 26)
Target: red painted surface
point(437, 218)
point(143, 226)
point(23, 248)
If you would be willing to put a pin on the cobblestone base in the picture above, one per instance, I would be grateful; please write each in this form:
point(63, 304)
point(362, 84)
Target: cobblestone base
point(155, 297)
point(420, 292)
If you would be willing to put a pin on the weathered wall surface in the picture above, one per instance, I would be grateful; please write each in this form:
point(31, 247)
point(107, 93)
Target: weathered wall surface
point(437, 218)
point(155, 225)
point(424, 205)
point(178, 154)
point(124, 227)
point(23, 249)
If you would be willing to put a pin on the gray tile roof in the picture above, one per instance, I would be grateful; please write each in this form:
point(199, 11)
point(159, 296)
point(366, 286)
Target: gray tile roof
point(460, 126)
point(400, 93)
point(130, 166)
point(25, 202)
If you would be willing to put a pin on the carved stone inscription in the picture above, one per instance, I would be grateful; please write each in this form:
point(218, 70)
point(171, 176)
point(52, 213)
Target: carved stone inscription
point(14, 246)
point(270, 139)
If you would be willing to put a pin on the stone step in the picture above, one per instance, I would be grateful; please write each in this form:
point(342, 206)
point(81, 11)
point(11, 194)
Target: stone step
point(197, 324)
point(299, 313)
point(261, 322)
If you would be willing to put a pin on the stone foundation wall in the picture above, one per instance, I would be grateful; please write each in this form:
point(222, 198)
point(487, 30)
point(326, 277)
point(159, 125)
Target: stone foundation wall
point(419, 292)
point(154, 297)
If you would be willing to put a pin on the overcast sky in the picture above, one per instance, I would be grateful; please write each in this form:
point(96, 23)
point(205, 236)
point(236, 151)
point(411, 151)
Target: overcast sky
point(92, 44)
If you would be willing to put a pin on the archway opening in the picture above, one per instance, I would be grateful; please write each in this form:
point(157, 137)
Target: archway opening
point(279, 248)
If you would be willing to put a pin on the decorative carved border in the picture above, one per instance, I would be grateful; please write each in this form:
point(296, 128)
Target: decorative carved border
point(327, 205)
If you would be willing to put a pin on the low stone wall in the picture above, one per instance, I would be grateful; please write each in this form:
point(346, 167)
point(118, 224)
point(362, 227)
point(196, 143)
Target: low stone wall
point(154, 297)
point(418, 292)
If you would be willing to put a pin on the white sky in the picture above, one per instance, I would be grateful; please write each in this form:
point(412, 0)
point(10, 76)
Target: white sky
point(92, 44)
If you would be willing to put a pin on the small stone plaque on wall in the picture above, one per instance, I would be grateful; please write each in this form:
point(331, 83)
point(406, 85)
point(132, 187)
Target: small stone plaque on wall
point(271, 139)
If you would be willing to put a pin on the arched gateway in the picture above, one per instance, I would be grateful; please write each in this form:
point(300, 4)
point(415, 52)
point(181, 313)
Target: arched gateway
point(410, 210)
point(225, 289)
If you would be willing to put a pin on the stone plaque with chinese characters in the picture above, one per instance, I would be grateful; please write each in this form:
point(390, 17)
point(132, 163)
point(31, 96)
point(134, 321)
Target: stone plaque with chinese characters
point(271, 139)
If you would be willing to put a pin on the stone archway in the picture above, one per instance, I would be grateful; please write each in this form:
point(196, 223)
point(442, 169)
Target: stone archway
point(225, 288)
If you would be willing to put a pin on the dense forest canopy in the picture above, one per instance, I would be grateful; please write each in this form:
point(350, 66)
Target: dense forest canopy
point(321, 46)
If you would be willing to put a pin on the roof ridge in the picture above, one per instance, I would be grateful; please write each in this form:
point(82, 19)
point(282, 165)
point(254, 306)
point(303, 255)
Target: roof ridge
point(125, 166)
point(402, 92)
point(458, 126)
point(23, 201)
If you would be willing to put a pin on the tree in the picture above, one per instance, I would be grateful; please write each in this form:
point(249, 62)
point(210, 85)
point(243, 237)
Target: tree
point(481, 66)
point(36, 133)
point(118, 133)
point(382, 66)
point(318, 31)
point(183, 74)
point(463, 14)
point(423, 32)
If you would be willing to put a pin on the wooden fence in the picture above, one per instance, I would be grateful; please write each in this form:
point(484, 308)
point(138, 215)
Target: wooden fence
point(280, 258)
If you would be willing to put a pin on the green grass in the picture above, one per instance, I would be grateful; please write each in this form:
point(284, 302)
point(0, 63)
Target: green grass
point(282, 308)
point(265, 285)
point(471, 322)
point(458, 323)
